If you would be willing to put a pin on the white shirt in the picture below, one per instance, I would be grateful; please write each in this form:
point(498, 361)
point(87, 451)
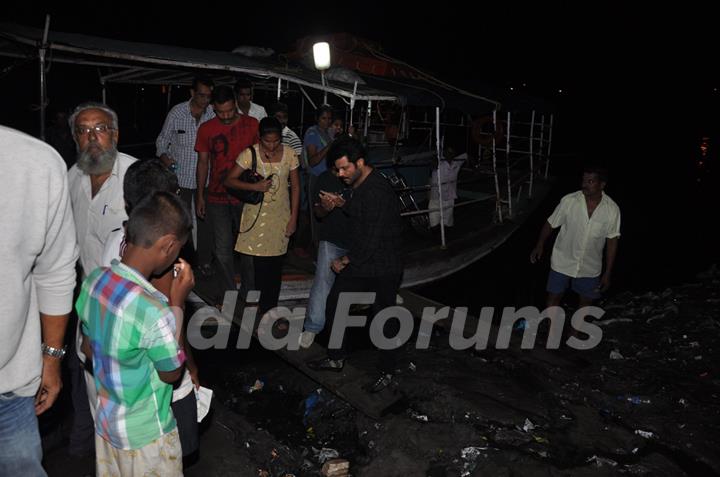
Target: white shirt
point(256, 111)
point(96, 217)
point(578, 250)
point(38, 252)
point(448, 173)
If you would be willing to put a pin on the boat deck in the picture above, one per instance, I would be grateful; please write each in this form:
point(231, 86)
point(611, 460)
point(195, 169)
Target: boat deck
point(474, 235)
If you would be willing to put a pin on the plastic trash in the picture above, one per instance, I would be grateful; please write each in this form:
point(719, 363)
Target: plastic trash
point(257, 386)
point(412, 366)
point(645, 434)
point(471, 453)
point(311, 401)
point(615, 354)
point(601, 461)
point(634, 399)
point(418, 417)
point(326, 454)
point(528, 426)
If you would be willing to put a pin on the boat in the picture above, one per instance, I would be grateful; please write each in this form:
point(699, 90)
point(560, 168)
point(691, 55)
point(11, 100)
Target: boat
point(407, 117)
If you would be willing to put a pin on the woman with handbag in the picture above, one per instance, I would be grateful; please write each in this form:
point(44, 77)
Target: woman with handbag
point(267, 224)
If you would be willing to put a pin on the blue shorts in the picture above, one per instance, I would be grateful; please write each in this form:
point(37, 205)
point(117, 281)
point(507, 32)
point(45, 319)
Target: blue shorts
point(583, 286)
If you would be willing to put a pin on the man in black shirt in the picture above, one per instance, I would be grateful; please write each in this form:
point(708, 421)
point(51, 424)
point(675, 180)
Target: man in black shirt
point(373, 262)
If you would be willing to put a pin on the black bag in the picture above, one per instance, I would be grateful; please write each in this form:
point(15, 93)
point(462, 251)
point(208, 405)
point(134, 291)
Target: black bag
point(251, 176)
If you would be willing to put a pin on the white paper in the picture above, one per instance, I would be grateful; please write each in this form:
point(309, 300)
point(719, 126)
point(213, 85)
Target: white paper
point(204, 396)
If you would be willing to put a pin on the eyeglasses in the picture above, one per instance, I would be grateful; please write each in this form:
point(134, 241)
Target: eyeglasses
point(98, 129)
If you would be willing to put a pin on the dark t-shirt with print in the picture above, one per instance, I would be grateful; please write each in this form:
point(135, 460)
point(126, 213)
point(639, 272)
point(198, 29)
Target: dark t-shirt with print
point(224, 142)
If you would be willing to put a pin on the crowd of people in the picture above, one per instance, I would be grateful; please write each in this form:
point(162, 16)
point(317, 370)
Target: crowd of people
point(128, 224)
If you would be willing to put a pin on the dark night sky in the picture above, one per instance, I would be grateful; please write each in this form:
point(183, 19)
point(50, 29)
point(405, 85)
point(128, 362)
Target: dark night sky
point(554, 45)
point(618, 66)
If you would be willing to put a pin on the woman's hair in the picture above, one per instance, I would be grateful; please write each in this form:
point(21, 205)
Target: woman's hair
point(322, 110)
point(269, 125)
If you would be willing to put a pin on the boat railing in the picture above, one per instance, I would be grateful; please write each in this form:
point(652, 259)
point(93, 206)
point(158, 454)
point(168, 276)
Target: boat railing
point(514, 160)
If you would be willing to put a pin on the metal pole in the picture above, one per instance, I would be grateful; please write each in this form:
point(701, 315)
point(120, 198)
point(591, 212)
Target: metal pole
point(547, 164)
point(352, 100)
point(498, 204)
point(104, 93)
point(507, 165)
point(279, 89)
point(322, 78)
point(367, 119)
point(302, 116)
point(43, 99)
point(542, 138)
point(532, 159)
point(169, 97)
point(439, 177)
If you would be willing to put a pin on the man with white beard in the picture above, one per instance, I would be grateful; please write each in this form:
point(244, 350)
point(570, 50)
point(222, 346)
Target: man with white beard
point(96, 180)
point(96, 193)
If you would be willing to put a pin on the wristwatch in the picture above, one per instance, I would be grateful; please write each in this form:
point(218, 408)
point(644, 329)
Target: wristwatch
point(58, 353)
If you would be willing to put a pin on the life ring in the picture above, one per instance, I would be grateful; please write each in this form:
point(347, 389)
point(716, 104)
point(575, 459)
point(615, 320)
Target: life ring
point(482, 131)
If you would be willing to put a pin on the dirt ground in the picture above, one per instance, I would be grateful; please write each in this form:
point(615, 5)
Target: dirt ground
point(644, 402)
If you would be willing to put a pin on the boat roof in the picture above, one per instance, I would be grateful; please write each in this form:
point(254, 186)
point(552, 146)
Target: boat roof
point(151, 63)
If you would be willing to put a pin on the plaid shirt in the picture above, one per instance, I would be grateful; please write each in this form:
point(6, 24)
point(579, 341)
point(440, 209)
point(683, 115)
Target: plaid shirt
point(131, 331)
point(177, 140)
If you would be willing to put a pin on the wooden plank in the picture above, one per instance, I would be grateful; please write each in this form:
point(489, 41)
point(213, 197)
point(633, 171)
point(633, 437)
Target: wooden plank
point(346, 384)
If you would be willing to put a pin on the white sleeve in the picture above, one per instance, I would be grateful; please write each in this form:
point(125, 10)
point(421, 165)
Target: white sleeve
point(112, 249)
point(557, 218)
point(54, 269)
point(614, 226)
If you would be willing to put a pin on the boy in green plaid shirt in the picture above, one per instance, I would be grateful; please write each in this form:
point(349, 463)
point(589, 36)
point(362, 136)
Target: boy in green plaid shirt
point(131, 333)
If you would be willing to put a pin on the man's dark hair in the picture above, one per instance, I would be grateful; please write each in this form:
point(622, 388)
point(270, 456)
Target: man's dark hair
point(161, 213)
point(277, 108)
point(270, 124)
point(206, 80)
point(242, 83)
point(601, 172)
point(345, 146)
point(222, 94)
point(325, 108)
point(143, 178)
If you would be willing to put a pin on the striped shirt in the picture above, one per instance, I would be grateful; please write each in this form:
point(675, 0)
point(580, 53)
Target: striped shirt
point(132, 334)
point(177, 140)
point(289, 138)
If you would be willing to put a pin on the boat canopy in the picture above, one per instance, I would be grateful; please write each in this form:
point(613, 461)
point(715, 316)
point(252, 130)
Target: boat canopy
point(150, 63)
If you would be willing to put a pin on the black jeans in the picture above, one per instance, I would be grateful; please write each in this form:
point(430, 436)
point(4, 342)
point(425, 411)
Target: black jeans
point(385, 288)
point(203, 249)
point(268, 279)
point(225, 220)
